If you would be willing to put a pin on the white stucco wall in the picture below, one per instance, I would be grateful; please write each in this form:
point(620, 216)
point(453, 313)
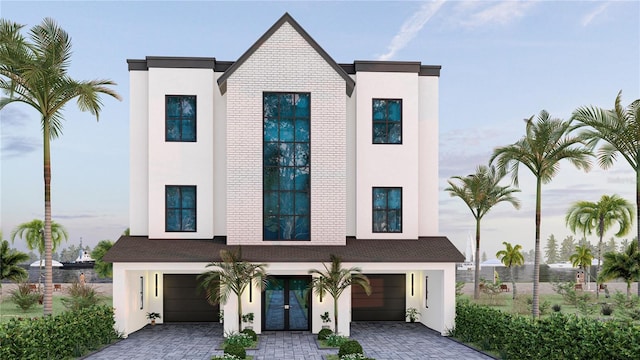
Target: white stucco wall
point(181, 163)
point(387, 165)
point(428, 115)
point(138, 152)
point(286, 63)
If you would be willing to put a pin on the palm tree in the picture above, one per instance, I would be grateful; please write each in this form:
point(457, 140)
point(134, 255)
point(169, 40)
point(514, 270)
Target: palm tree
point(601, 216)
point(35, 73)
point(336, 279)
point(625, 265)
point(619, 128)
point(33, 234)
point(480, 191)
point(103, 269)
point(9, 261)
point(582, 258)
point(511, 256)
point(546, 142)
point(231, 275)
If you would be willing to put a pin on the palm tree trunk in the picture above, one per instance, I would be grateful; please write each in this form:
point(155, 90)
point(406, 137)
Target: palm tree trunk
point(513, 281)
point(476, 280)
point(601, 230)
point(48, 277)
point(239, 312)
point(638, 213)
point(335, 313)
point(536, 262)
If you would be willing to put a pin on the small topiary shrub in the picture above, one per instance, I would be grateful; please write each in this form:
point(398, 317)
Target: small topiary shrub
point(322, 335)
point(251, 333)
point(350, 347)
point(556, 307)
point(235, 350)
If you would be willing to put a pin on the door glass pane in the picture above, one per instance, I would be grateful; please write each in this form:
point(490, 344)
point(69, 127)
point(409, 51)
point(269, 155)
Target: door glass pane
point(298, 304)
point(274, 305)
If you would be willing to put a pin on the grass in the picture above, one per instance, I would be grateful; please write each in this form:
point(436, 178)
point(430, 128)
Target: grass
point(9, 310)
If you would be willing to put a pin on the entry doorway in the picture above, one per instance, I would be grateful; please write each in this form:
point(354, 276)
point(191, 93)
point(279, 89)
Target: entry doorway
point(286, 303)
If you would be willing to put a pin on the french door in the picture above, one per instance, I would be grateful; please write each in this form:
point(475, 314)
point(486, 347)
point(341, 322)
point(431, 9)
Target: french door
point(286, 303)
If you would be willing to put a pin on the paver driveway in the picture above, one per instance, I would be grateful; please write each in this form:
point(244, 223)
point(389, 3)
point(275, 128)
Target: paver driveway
point(380, 340)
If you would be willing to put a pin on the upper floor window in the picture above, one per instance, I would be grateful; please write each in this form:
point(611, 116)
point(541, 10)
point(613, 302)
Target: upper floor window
point(286, 166)
point(180, 208)
point(387, 210)
point(387, 121)
point(180, 113)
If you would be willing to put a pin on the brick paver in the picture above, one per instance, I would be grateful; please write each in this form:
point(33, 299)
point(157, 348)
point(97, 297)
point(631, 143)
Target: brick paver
point(380, 340)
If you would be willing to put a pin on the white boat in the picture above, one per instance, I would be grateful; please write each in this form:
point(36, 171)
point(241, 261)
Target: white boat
point(468, 263)
point(562, 265)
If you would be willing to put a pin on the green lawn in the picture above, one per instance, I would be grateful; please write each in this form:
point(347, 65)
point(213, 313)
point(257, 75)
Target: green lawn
point(9, 310)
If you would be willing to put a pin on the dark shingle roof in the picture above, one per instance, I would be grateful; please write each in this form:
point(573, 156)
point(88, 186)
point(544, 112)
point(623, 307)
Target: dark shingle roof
point(423, 249)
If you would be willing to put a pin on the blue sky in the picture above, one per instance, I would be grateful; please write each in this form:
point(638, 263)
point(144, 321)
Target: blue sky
point(502, 61)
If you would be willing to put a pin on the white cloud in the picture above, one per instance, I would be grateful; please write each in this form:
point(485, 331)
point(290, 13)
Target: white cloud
point(411, 27)
point(472, 15)
point(588, 18)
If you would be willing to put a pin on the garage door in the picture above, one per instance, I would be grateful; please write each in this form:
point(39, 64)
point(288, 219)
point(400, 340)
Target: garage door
point(386, 302)
point(182, 303)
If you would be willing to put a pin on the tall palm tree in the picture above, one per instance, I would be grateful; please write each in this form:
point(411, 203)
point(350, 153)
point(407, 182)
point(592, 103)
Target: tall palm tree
point(511, 256)
point(601, 216)
point(232, 275)
point(625, 265)
point(35, 73)
point(582, 257)
point(619, 129)
point(481, 191)
point(103, 269)
point(335, 280)
point(546, 142)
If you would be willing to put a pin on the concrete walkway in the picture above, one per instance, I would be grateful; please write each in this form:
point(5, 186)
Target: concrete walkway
point(380, 340)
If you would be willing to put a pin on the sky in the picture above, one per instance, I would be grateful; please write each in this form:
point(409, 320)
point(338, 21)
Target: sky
point(502, 61)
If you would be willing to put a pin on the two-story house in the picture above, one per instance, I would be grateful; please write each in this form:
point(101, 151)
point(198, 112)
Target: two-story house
point(294, 157)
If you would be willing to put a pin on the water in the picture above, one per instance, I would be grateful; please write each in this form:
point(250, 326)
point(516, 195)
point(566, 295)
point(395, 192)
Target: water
point(522, 274)
point(69, 275)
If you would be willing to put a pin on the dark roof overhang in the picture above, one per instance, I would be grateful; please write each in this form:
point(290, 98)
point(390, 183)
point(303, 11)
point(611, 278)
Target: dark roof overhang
point(424, 249)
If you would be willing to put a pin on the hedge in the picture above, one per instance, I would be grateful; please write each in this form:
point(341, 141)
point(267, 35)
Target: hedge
point(67, 335)
point(559, 336)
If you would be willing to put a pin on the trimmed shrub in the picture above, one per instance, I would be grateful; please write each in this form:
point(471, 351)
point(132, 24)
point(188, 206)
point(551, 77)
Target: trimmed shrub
point(225, 357)
point(322, 335)
point(251, 333)
point(557, 337)
point(350, 347)
point(236, 350)
point(68, 335)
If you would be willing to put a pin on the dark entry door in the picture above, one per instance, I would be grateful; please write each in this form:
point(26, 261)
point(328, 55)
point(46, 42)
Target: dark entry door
point(183, 303)
point(286, 303)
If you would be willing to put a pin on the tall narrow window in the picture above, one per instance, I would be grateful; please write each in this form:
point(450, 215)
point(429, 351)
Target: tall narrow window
point(387, 210)
point(286, 166)
point(180, 112)
point(180, 208)
point(387, 121)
